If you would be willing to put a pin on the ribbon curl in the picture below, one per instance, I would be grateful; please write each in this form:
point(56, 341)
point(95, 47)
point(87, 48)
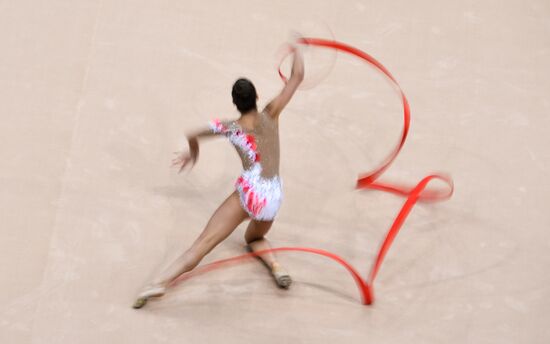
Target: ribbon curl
point(365, 181)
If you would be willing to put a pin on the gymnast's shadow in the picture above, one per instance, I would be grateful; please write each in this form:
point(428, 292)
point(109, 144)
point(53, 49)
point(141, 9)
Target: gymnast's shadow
point(177, 307)
point(189, 191)
point(329, 290)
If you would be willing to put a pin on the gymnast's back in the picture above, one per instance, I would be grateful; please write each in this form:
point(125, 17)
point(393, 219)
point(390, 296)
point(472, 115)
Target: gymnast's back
point(255, 137)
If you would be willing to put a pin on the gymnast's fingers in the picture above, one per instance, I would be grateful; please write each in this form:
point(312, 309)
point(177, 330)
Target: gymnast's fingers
point(182, 166)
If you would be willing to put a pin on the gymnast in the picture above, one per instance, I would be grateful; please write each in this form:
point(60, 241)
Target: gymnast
point(258, 190)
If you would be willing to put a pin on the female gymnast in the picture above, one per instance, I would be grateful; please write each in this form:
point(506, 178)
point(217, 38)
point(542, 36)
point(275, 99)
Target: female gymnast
point(258, 194)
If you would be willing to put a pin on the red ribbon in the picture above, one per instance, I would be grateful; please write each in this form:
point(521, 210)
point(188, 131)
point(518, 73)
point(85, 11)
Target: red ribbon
point(365, 181)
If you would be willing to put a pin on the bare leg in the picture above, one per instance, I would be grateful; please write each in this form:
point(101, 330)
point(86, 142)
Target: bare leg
point(255, 238)
point(222, 223)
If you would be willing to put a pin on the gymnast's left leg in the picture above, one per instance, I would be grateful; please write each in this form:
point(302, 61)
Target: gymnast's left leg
point(222, 223)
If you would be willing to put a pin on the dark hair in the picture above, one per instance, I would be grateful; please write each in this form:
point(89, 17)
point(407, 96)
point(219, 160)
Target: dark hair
point(244, 95)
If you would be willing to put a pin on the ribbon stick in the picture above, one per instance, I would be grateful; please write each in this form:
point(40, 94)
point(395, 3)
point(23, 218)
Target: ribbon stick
point(367, 180)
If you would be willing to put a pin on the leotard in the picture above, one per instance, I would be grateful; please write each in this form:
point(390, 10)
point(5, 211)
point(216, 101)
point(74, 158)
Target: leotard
point(259, 185)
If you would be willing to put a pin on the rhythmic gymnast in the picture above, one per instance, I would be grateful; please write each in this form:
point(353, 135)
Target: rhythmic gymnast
point(258, 194)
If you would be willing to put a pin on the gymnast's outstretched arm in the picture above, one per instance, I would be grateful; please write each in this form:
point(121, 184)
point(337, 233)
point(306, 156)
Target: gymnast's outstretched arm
point(183, 158)
point(277, 105)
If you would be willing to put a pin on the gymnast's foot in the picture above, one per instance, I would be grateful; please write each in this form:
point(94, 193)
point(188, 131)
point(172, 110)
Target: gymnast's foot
point(152, 290)
point(282, 278)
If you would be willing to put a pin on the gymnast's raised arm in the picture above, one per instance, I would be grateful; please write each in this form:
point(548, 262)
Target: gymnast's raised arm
point(277, 105)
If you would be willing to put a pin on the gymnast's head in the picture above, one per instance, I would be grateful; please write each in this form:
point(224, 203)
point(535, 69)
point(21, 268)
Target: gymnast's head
point(244, 95)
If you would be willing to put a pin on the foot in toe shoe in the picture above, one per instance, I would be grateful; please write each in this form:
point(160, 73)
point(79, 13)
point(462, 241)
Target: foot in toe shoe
point(139, 303)
point(149, 292)
point(281, 277)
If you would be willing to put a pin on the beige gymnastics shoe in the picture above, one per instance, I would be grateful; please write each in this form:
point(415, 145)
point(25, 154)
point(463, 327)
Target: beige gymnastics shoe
point(282, 278)
point(149, 292)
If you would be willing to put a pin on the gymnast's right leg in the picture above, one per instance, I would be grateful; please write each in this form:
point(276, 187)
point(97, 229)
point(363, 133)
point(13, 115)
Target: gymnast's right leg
point(255, 238)
point(222, 223)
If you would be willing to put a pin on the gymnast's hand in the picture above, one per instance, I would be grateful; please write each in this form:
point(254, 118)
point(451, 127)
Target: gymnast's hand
point(182, 160)
point(294, 39)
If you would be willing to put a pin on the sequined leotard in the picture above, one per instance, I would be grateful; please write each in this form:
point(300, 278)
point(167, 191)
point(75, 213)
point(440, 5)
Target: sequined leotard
point(259, 185)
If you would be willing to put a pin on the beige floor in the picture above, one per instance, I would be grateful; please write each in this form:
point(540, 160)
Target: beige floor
point(96, 95)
